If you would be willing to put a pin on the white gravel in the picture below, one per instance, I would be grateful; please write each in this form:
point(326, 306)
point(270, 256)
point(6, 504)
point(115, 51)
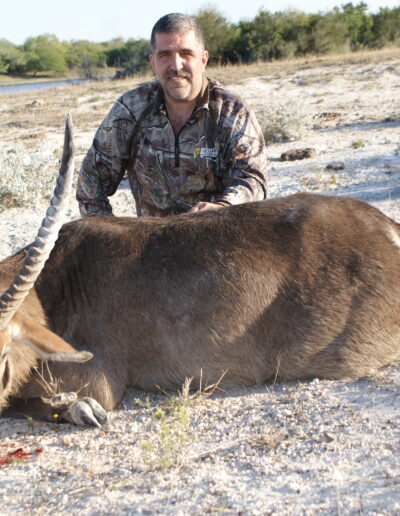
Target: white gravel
point(318, 447)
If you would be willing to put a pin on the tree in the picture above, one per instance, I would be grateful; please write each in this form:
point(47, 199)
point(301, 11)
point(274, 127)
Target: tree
point(359, 24)
point(218, 33)
point(133, 56)
point(45, 53)
point(12, 59)
point(330, 34)
point(86, 57)
point(275, 35)
point(386, 27)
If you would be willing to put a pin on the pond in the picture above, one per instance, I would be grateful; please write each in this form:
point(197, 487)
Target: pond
point(35, 86)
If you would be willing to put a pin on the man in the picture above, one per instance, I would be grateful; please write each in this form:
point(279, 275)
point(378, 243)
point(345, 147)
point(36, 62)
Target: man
point(187, 144)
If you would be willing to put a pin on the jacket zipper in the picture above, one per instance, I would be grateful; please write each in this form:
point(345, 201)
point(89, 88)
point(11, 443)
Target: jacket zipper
point(177, 150)
point(177, 144)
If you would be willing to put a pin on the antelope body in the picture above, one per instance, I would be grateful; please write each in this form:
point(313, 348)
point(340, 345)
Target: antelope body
point(290, 288)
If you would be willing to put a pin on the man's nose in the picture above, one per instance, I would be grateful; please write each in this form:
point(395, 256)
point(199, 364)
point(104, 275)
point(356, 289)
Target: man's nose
point(176, 62)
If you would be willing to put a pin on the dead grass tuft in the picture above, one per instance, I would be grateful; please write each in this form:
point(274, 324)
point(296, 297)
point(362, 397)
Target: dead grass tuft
point(168, 446)
point(27, 178)
point(283, 121)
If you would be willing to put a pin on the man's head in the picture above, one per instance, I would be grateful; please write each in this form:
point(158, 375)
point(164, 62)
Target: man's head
point(178, 56)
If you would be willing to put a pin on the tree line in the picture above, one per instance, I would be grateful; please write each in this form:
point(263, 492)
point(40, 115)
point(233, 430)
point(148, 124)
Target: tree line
point(269, 36)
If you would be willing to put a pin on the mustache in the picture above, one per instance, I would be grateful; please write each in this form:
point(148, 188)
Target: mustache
point(174, 73)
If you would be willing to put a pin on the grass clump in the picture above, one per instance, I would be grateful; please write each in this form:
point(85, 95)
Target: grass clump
point(357, 144)
point(26, 179)
point(283, 121)
point(319, 179)
point(168, 446)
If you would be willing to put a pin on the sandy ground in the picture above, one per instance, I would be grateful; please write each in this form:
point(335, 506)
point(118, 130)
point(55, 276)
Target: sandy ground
point(318, 447)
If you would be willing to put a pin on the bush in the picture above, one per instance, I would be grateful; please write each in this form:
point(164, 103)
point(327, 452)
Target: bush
point(27, 179)
point(283, 121)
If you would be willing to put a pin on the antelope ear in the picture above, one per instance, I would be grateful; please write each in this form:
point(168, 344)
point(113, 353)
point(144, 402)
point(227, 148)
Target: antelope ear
point(43, 342)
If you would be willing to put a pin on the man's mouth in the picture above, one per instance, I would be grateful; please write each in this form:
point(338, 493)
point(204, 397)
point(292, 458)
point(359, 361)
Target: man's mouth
point(177, 77)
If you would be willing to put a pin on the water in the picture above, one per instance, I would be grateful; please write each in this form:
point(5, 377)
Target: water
point(35, 86)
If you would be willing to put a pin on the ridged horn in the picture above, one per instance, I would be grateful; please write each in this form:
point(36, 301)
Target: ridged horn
point(40, 250)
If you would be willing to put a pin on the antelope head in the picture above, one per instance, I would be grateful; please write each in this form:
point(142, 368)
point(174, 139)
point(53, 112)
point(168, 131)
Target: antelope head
point(17, 327)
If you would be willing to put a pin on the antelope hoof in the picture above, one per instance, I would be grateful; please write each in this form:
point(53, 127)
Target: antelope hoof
point(86, 412)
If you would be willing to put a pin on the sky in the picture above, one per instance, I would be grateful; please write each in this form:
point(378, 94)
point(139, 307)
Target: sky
point(102, 20)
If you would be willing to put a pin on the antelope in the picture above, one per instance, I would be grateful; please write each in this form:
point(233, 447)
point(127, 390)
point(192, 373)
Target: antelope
point(288, 288)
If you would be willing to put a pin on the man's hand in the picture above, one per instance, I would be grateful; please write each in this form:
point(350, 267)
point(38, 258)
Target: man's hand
point(201, 206)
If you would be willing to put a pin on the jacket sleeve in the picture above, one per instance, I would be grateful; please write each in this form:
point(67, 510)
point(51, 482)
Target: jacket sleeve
point(244, 159)
point(105, 163)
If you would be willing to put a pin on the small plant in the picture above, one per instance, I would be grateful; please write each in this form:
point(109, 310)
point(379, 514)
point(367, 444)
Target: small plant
point(357, 144)
point(267, 441)
point(283, 121)
point(319, 180)
point(51, 385)
point(31, 423)
point(167, 447)
point(146, 403)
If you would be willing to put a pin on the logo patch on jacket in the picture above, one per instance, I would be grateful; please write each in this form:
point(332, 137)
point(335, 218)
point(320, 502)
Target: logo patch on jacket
point(205, 152)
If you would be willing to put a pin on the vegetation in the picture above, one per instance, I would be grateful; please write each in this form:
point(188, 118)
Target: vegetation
point(283, 120)
point(167, 445)
point(269, 36)
point(26, 179)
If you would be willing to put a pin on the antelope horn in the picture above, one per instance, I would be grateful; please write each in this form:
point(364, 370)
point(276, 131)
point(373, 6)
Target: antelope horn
point(40, 250)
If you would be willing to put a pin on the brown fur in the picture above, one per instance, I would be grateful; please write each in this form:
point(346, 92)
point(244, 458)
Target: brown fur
point(292, 288)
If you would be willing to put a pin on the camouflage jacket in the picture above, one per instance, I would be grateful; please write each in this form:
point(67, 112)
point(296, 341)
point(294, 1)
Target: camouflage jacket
point(218, 156)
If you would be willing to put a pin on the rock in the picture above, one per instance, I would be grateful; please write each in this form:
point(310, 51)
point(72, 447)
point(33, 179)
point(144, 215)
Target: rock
point(335, 165)
point(296, 154)
point(391, 118)
point(329, 115)
point(36, 103)
point(392, 167)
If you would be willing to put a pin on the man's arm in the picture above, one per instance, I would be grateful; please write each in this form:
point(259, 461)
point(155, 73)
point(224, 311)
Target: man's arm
point(245, 161)
point(105, 163)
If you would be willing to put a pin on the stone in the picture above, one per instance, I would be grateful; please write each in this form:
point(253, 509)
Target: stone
point(296, 154)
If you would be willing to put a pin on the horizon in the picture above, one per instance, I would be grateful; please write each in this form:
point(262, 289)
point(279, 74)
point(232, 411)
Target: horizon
point(100, 22)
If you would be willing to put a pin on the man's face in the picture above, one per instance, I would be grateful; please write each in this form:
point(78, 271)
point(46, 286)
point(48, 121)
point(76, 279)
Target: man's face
point(179, 63)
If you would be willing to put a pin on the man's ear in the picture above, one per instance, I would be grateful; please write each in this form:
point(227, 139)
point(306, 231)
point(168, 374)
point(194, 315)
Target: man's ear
point(204, 57)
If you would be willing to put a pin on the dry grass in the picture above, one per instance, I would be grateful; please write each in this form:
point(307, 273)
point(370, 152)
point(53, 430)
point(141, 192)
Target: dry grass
point(26, 179)
point(283, 120)
point(230, 74)
point(167, 445)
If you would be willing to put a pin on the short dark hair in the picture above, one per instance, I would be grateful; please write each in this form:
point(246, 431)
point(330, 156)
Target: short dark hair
point(176, 22)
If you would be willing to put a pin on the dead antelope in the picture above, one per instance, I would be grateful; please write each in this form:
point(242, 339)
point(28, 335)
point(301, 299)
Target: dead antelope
point(290, 288)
